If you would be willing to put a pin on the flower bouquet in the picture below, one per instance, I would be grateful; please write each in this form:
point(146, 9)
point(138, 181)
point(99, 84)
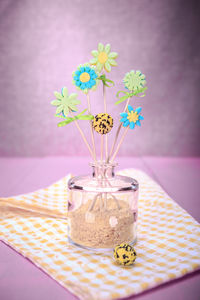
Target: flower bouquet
point(102, 208)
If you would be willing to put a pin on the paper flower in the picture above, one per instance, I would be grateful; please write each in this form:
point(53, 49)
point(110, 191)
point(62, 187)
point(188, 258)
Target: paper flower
point(103, 58)
point(65, 102)
point(131, 117)
point(134, 80)
point(85, 78)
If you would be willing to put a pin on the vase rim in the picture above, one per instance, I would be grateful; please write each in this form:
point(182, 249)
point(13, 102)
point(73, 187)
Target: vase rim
point(100, 163)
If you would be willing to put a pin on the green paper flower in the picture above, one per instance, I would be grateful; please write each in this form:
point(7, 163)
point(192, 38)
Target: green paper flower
point(134, 80)
point(65, 102)
point(103, 58)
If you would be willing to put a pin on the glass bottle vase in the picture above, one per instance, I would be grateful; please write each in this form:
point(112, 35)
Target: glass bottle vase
point(102, 209)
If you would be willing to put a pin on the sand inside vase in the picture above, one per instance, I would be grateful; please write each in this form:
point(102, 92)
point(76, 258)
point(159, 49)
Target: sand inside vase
point(102, 227)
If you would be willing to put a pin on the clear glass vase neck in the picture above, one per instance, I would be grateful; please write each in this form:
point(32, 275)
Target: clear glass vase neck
point(102, 169)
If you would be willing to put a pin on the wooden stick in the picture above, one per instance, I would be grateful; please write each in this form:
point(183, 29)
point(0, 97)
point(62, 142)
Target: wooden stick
point(120, 142)
point(83, 136)
point(105, 111)
point(127, 103)
point(115, 141)
point(106, 148)
point(116, 201)
point(102, 146)
point(104, 99)
point(92, 204)
point(91, 128)
point(117, 133)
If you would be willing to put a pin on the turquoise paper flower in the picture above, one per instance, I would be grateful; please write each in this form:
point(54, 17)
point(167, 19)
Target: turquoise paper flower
point(131, 117)
point(85, 78)
point(134, 80)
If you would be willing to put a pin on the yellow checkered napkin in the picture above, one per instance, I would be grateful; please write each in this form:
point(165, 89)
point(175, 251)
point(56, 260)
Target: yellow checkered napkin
point(168, 242)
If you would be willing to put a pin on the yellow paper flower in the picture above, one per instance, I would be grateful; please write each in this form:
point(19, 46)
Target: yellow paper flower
point(103, 58)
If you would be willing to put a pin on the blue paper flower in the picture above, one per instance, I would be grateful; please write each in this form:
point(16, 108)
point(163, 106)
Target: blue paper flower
point(85, 78)
point(131, 117)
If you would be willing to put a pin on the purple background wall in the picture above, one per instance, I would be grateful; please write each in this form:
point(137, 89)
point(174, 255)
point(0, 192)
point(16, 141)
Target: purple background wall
point(42, 42)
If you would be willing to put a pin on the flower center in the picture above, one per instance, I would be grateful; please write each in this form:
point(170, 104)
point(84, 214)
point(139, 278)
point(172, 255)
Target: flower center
point(133, 116)
point(135, 81)
point(103, 57)
point(84, 77)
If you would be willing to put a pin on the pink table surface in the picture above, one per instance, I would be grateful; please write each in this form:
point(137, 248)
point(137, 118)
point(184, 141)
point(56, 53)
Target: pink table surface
point(22, 280)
